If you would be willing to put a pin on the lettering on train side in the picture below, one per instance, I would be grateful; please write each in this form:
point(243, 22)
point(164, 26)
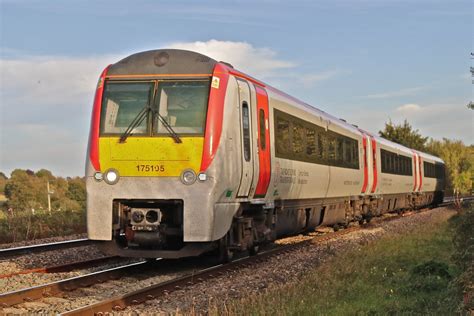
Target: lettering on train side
point(349, 182)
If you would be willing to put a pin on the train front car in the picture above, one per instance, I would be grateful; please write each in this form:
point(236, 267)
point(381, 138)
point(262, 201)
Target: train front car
point(155, 128)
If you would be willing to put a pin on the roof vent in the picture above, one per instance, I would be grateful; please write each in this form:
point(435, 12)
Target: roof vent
point(161, 59)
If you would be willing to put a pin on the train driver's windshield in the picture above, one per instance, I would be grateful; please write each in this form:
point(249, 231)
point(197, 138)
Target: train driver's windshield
point(182, 104)
point(122, 102)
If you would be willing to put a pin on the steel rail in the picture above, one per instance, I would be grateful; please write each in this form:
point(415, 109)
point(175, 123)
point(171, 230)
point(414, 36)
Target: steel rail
point(54, 288)
point(62, 267)
point(10, 252)
point(137, 297)
point(119, 303)
point(153, 291)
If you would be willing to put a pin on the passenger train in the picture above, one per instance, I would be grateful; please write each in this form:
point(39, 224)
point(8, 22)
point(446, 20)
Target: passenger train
point(188, 155)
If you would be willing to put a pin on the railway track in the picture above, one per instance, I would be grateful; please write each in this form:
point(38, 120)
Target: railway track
point(119, 303)
point(68, 267)
point(58, 287)
point(153, 291)
point(17, 251)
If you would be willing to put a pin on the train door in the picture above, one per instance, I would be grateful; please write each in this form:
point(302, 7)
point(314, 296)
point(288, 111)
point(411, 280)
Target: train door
point(367, 159)
point(373, 147)
point(245, 123)
point(263, 139)
point(415, 171)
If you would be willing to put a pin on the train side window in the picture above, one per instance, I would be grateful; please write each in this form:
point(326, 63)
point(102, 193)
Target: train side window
point(282, 136)
point(331, 149)
point(298, 138)
point(311, 144)
point(261, 114)
point(246, 130)
point(321, 148)
point(431, 170)
point(339, 151)
point(347, 152)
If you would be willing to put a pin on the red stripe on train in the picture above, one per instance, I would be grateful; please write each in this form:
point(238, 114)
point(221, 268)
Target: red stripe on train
point(419, 171)
point(374, 163)
point(95, 122)
point(366, 169)
point(264, 148)
point(414, 171)
point(215, 113)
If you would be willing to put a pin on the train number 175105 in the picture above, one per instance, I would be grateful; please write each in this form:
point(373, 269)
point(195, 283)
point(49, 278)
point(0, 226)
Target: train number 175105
point(150, 168)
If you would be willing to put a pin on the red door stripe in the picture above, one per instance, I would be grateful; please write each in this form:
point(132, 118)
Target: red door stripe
point(419, 171)
point(264, 152)
point(374, 163)
point(366, 169)
point(95, 122)
point(215, 113)
point(414, 171)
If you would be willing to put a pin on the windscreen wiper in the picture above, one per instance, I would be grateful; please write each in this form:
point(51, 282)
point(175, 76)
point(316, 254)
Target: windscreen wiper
point(172, 133)
point(135, 122)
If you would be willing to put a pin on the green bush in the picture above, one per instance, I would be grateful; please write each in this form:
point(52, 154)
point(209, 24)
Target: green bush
point(27, 226)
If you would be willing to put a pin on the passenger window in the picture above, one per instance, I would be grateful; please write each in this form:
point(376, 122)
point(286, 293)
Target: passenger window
point(262, 129)
point(283, 136)
point(322, 145)
point(246, 130)
point(298, 138)
point(311, 145)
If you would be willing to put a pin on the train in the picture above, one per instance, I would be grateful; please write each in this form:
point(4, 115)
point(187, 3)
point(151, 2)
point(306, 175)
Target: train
point(187, 156)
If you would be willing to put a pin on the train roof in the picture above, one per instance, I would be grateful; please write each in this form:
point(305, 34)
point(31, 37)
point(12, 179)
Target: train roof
point(163, 61)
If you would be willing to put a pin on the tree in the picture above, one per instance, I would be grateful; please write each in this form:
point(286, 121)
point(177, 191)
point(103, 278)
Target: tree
point(404, 134)
point(21, 190)
point(3, 182)
point(26, 190)
point(459, 162)
point(77, 191)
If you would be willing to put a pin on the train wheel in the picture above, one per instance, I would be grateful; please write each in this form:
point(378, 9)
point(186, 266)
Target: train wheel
point(225, 255)
point(254, 249)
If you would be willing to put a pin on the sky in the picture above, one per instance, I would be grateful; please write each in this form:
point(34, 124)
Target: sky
point(366, 61)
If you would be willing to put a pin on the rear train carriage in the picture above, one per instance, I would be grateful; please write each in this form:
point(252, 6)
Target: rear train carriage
point(188, 155)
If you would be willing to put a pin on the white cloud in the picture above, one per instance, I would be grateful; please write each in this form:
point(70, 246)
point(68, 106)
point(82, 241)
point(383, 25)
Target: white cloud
point(397, 93)
point(409, 108)
point(45, 103)
point(312, 79)
point(49, 80)
point(258, 62)
point(451, 119)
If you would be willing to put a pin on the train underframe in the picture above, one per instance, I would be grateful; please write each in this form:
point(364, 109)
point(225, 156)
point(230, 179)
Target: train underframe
point(154, 228)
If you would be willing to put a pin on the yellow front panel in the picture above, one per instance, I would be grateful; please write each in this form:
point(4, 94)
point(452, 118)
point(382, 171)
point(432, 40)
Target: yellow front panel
point(150, 156)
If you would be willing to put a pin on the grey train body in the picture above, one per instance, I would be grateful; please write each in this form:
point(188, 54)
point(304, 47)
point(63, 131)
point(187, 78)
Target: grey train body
point(361, 176)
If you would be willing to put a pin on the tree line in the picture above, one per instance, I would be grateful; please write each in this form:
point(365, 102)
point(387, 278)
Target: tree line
point(27, 190)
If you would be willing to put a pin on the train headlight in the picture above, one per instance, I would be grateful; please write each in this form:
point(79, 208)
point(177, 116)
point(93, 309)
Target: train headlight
point(111, 176)
point(188, 177)
point(202, 177)
point(98, 176)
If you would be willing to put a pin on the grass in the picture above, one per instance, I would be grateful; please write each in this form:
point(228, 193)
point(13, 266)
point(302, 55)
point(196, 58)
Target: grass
point(410, 274)
point(26, 226)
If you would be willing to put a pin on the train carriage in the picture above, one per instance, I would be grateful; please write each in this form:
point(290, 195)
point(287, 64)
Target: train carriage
point(188, 155)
